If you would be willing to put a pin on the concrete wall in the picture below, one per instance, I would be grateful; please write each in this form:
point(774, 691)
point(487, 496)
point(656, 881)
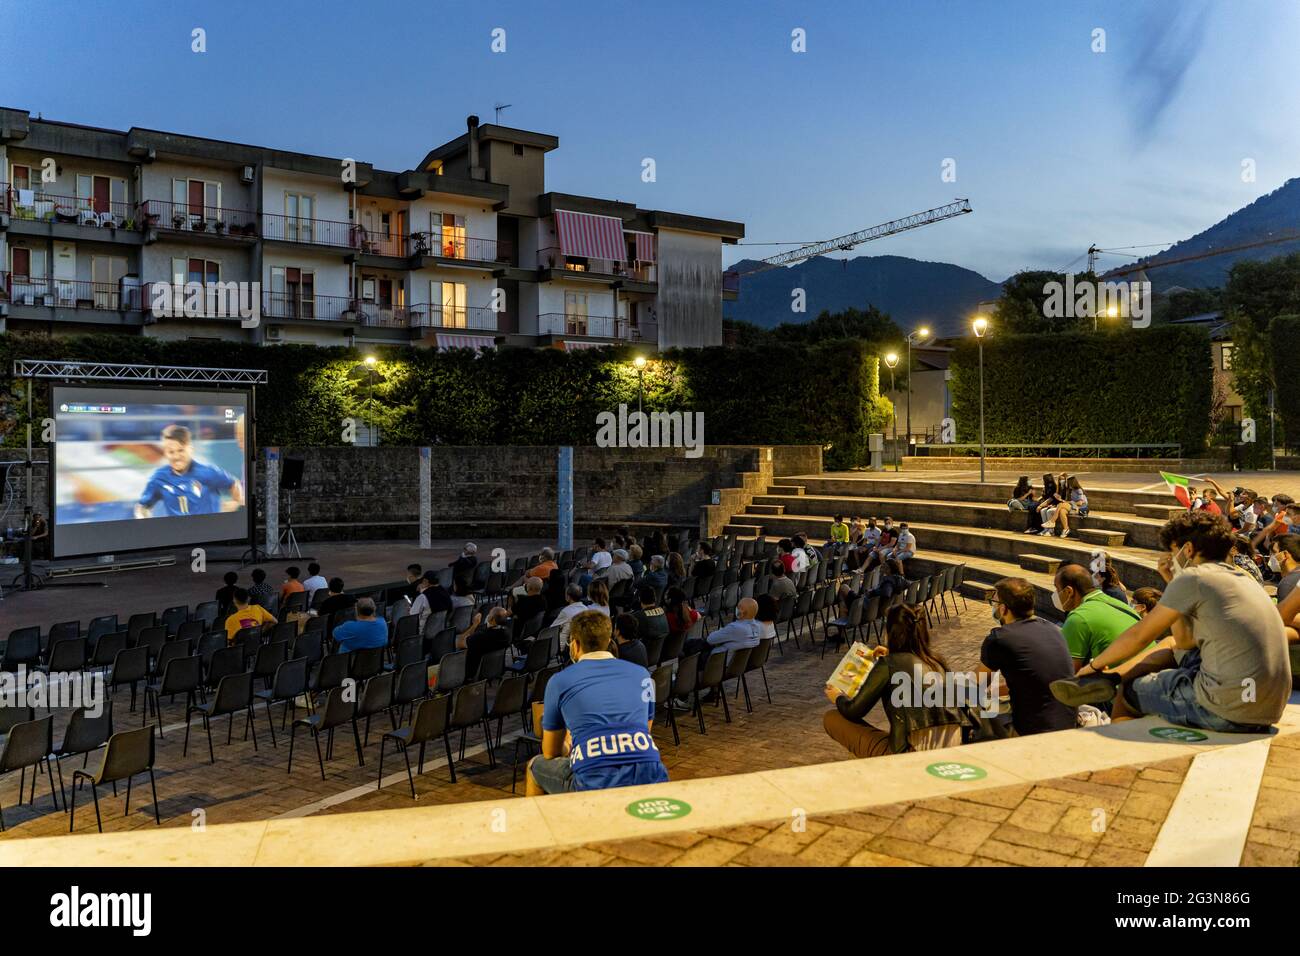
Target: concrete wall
point(525, 175)
point(689, 305)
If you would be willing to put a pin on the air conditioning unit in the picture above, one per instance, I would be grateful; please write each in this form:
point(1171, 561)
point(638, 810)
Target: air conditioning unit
point(247, 175)
point(274, 333)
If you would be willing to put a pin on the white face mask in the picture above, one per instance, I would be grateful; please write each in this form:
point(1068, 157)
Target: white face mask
point(1177, 566)
point(1056, 602)
point(1274, 564)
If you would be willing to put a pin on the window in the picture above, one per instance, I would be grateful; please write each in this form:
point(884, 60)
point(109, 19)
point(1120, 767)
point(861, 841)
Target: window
point(451, 230)
point(195, 201)
point(27, 262)
point(21, 176)
point(1225, 357)
point(519, 149)
point(97, 192)
point(106, 273)
point(575, 313)
point(451, 296)
point(293, 293)
point(299, 211)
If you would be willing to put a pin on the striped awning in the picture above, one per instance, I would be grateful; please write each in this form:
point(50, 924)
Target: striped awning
point(449, 340)
point(645, 246)
point(571, 346)
point(595, 237)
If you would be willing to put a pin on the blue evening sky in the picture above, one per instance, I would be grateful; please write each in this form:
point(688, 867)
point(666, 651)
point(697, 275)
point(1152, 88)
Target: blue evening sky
point(1056, 146)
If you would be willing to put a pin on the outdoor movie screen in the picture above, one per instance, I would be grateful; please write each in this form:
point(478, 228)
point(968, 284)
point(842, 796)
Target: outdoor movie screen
point(144, 468)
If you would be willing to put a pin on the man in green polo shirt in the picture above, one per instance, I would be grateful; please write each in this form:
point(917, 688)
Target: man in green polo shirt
point(1093, 619)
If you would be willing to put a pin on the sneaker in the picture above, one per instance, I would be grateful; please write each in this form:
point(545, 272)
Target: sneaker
point(1033, 531)
point(1064, 533)
point(1089, 690)
point(1047, 532)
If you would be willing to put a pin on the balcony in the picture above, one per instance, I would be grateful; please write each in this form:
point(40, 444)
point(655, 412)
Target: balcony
point(311, 232)
point(292, 307)
point(173, 217)
point(466, 248)
point(591, 326)
point(37, 205)
point(41, 292)
point(449, 317)
point(600, 269)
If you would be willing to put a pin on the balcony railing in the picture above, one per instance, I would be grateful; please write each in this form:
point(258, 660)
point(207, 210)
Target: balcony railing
point(69, 293)
point(451, 317)
point(594, 326)
point(189, 217)
point(41, 206)
point(334, 308)
point(316, 232)
point(459, 247)
point(553, 258)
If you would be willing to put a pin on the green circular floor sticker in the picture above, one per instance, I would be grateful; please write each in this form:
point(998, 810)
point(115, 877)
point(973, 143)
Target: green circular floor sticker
point(1178, 733)
point(956, 771)
point(659, 809)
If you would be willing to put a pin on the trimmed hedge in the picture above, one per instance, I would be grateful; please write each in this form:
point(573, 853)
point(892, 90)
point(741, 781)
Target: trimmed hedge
point(1284, 333)
point(1114, 388)
point(826, 394)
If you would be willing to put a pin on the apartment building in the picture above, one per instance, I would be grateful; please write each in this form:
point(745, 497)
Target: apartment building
point(466, 249)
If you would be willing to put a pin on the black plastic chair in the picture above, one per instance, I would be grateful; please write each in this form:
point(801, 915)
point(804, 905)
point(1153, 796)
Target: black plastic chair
point(337, 711)
point(510, 701)
point(451, 672)
point(376, 698)
point(99, 626)
point(366, 663)
point(536, 656)
point(29, 744)
point(68, 656)
point(757, 662)
point(663, 678)
point(84, 735)
point(429, 722)
point(174, 617)
point(234, 693)
point(154, 638)
point(136, 623)
point(226, 662)
point(330, 673)
point(268, 659)
point(63, 631)
point(469, 709)
point(128, 753)
point(180, 675)
point(107, 648)
point(289, 683)
point(130, 668)
point(412, 685)
point(206, 612)
point(23, 648)
point(309, 645)
point(171, 650)
point(491, 666)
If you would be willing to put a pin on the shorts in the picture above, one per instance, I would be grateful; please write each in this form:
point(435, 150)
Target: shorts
point(1081, 511)
point(1171, 695)
point(553, 774)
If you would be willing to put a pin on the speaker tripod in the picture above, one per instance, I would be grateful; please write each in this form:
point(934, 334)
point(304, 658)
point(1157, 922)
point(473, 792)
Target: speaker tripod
point(287, 545)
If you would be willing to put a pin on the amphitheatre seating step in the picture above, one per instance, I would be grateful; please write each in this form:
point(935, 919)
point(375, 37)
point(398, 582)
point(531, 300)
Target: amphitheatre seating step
point(977, 590)
point(1162, 512)
point(785, 489)
point(985, 571)
point(1101, 536)
point(766, 509)
point(1139, 532)
point(1040, 562)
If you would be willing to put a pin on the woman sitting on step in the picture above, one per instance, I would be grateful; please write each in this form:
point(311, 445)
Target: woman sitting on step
point(1037, 508)
point(1074, 502)
point(904, 661)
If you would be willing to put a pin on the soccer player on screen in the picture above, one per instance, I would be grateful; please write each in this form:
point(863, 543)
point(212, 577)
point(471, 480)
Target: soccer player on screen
point(186, 486)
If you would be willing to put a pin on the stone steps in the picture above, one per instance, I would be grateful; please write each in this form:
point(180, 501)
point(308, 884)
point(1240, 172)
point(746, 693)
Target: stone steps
point(1159, 512)
point(785, 489)
point(1045, 564)
point(766, 509)
point(1101, 536)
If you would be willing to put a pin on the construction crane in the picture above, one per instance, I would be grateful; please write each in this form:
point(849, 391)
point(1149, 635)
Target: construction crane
point(958, 207)
point(1142, 265)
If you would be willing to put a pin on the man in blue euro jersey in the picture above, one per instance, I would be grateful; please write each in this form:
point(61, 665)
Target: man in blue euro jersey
point(185, 486)
point(596, 719)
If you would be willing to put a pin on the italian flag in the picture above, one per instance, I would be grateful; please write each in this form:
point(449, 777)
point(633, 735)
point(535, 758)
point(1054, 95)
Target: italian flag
point(1178, 488)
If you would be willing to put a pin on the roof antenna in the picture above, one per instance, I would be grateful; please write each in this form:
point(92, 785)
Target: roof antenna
point(499, 108)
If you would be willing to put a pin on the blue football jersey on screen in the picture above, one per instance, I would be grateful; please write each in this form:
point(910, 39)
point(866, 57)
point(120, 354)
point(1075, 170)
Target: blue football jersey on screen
point(197, 492)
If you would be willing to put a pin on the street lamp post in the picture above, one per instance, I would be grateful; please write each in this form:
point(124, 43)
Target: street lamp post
point(892, 360)
point(920, 335)
point(639, 362)
point(981, 326)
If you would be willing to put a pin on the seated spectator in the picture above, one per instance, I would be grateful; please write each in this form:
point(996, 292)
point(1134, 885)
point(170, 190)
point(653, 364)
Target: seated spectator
point(575, 606)
point(484, 634)
point(676, 570)
point(554, 593)
point(678, 611)
point(768, 611)
point(906, 653)
point(226, 593)
point(413, 574)
point(743, 632)
point(314, 582)
point(433, 597)
point(1285, 562)
point(461, 596)
point(802, 560)
point(891, 582)
point(904, 548)
point(462, 568)
point(366, 631)
point(839, 531)
point(1109, 582)
point(1074, 502)
point(1289, 613)
point(634, 561)
point(655, 575)
point(291, 584)
point(260, 592)
point(704, 566)
point(600, 558)
point(658, 544)
point(1049, 501)
point(619, 570)
point(599, 703)
point(785, 554)
point(1093, 619)
point(598, 597)
point(627, 643)
point(780, 584)
point(1030, 653)
point(1022, 495)
point(527, 607)
point(1222, 618)
point(543, 568)
point(650, 618)
point(1145, 600)
point(1244, 556)
point(245, 615)
point(336, 599)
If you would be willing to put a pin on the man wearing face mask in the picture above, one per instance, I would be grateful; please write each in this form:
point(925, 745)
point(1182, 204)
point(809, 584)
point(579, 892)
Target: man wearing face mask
point(1285, 560)
point(1237, 677)
point(1093, 618)
point(1030, 653)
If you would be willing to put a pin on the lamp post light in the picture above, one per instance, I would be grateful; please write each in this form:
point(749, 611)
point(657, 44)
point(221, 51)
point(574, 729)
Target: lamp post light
point(981, 326)
point(639, 362)
point(919, 335)
point(892, 360)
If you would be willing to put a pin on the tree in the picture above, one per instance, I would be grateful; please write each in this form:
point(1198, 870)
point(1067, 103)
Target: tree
point(1256, 293)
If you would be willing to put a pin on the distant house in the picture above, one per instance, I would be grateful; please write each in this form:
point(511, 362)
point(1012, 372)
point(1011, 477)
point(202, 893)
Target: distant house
point(1221, 353)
